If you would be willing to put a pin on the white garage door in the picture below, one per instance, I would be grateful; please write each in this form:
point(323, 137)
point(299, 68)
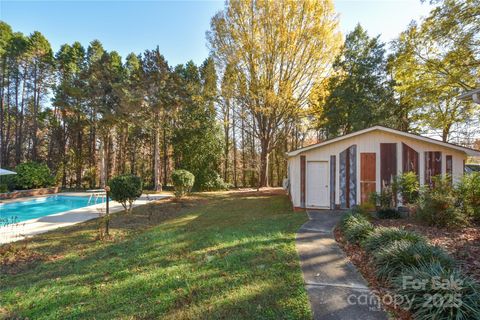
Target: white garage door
point(318, 194)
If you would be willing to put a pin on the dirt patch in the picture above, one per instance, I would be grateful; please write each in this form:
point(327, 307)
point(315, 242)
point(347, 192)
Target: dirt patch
point(364, 264)
point(14, 257)
point(463, 244)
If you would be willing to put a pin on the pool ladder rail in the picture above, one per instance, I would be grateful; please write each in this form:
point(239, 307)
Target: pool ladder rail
point(96, 194)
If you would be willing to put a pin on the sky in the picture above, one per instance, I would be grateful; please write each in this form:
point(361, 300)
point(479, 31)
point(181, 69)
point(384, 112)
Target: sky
point(177, 27)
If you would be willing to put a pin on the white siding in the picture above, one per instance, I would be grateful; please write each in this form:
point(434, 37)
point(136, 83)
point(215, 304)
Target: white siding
point(370, 142)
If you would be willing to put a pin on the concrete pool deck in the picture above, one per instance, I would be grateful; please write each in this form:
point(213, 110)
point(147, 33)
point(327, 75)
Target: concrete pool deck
point(28, 228)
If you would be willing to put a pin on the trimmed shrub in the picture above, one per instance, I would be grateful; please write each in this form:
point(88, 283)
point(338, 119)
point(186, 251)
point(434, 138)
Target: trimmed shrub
point(355, 227)
point(389, 213)
point(125, 189)
point(402, 254)
point(383, 236)
point(214, 183)
point(183, 182)
point(408, 187)
point(3, 188)
point(32, 175)
point(9, 181)
point(437, 206)
point(468, 192)
point(438, 292)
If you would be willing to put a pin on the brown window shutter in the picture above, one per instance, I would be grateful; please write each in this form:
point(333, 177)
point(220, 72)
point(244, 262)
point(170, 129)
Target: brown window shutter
point(388, 163)
point(433, 166)
point(302, 181)
point(410, 159)
point(449, 167)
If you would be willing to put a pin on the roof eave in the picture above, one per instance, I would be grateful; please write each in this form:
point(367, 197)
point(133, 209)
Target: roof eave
point(467, 151)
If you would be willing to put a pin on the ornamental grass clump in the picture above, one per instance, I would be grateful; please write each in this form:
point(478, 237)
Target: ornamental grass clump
point(433, 291)
point(384, 236)
point(355, 227)
point(402, 254)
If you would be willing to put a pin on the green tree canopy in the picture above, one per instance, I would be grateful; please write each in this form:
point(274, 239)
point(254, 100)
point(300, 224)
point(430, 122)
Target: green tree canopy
point(360, 91)
point(434, 62)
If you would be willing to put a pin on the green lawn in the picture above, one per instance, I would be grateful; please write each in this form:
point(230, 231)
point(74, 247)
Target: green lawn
point(213, 256)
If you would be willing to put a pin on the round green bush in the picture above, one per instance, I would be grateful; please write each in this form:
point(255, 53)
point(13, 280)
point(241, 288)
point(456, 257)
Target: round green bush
point(468, 192)
point(125, 189)
point(438, 292)
point(182, 181)
point(32, 175)
point(438, 206)
point(383, 236)
point(402, 254)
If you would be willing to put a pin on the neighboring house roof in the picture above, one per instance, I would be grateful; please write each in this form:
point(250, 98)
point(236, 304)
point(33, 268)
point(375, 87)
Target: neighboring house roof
point(468, 151)
point(470, 167)
point(471, 95)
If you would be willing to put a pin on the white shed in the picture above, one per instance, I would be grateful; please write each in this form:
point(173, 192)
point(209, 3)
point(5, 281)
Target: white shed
point(343, 171)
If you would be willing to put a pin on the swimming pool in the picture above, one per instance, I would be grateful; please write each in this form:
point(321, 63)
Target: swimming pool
point(39, 207)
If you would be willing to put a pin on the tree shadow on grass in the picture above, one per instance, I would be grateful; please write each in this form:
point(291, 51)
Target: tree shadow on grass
point(214, 262)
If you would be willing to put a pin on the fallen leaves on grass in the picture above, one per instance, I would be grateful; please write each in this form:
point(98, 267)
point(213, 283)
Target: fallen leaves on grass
point(13, 257)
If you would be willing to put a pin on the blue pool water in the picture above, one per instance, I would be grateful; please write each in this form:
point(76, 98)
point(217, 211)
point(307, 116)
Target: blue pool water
point(40, 207)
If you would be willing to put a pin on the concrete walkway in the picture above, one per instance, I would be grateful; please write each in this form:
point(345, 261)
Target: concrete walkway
point(25, 229)
point(335, 288)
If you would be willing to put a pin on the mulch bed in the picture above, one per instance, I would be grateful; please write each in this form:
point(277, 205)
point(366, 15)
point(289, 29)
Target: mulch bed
point(364, 264)
point(463, 243)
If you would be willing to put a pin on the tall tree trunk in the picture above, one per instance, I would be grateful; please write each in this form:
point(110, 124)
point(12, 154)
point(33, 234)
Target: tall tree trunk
point(2, 133)
point(264, 162)
point(101, 165)
point(165, 154)
point(2, 106)
point(19, 142)
point(110, 155)
point(156, 157)
point(79, 154)
point(104, 158)
point(446, 132)
point(8, 134)
point(253, 161)
point(64, 152)
point(226, 132)
point(234, 143)
point(133, 159)
point(244, 146)
point(92, 139)
point(34, 129)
